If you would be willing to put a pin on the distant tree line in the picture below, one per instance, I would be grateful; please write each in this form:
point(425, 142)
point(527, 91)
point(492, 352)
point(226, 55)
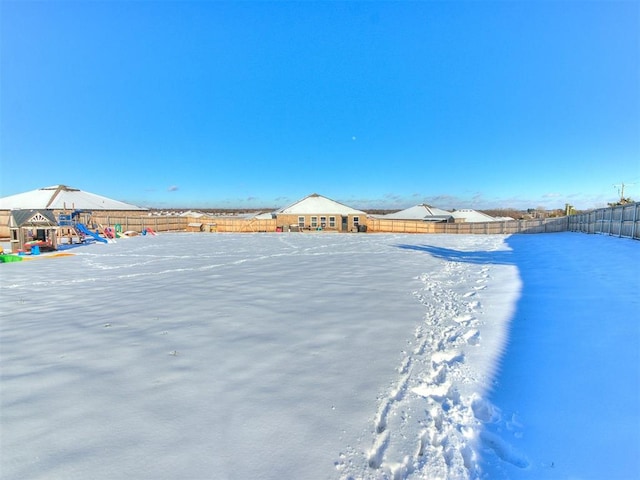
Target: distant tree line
point(622, 201)
point(528, 214)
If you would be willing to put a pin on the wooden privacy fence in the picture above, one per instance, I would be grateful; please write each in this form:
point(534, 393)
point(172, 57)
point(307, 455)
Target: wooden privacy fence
point(177, 224)
point(140, 222)
point(230, 224)
point(620, 221)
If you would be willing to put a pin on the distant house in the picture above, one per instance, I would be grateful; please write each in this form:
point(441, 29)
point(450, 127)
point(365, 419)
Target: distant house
point(316, 212)
point(423, 212)
point(468, 215)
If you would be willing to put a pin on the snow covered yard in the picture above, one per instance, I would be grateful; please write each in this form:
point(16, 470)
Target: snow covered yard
point(322, 356)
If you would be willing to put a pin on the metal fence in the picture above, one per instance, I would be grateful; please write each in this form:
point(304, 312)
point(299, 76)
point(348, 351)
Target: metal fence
point(546, 225)
point(619, 221)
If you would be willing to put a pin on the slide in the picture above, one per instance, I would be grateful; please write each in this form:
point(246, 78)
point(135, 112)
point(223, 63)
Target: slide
point(82, 228)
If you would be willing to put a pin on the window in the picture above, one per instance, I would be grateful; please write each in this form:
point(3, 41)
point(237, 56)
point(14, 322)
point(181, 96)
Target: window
point(314, 222)
point(323, 222)
point(356, 221)
point(301, 222)
point(332, 222)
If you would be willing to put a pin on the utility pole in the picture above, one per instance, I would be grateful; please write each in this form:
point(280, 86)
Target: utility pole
point(621, 190)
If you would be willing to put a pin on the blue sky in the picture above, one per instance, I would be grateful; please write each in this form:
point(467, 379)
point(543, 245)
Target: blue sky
point(375, 104)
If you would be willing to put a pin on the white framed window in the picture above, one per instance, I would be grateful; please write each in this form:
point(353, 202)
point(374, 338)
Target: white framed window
point(356, 221)
point(314, 222)
point(332, 222)
point(323, 222)
point(301, 222)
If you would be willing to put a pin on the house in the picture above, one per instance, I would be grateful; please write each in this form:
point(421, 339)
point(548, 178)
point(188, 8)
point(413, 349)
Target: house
point(60, 199)
point(316, 212)
point(423, 212)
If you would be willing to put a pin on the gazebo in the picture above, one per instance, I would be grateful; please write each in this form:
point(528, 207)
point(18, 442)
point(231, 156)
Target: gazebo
point(33, 227)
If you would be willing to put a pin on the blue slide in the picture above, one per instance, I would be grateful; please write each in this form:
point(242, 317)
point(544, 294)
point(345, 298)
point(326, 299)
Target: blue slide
point(82, 228)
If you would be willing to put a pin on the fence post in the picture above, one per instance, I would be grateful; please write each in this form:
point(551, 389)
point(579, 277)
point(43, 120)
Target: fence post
point(610, 221)
point(635, 220)
point(621, 221)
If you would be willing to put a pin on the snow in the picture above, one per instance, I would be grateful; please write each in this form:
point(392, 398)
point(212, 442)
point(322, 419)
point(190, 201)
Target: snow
point(420, 212)
point(470, 215)
point(314, 203)
point(323, 356)
point(62, 197)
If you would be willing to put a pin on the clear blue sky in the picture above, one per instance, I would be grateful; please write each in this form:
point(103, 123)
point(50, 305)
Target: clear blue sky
point(376, 104)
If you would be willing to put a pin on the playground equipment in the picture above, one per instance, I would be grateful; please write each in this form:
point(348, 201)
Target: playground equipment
point(32, 227)
point(82, 228)
point(75, 222)
point(6, 258)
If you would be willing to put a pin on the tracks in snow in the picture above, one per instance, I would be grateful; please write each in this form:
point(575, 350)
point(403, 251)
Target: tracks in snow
point(426, 425)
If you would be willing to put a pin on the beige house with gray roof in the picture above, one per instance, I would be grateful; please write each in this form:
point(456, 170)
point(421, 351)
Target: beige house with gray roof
point(315, 212)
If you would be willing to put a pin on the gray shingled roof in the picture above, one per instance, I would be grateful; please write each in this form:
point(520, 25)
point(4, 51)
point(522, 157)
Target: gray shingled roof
point(24, 217)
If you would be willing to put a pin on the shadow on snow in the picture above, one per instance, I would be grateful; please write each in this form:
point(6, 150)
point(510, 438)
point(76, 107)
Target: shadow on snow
point(498, 257)
point(570, 374)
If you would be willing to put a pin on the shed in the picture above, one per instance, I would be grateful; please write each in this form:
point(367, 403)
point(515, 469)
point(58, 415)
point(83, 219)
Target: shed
point(33, 227)
point(194, 227)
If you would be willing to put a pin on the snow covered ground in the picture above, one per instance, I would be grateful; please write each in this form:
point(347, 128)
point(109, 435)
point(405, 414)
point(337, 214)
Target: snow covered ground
point(322, 356)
